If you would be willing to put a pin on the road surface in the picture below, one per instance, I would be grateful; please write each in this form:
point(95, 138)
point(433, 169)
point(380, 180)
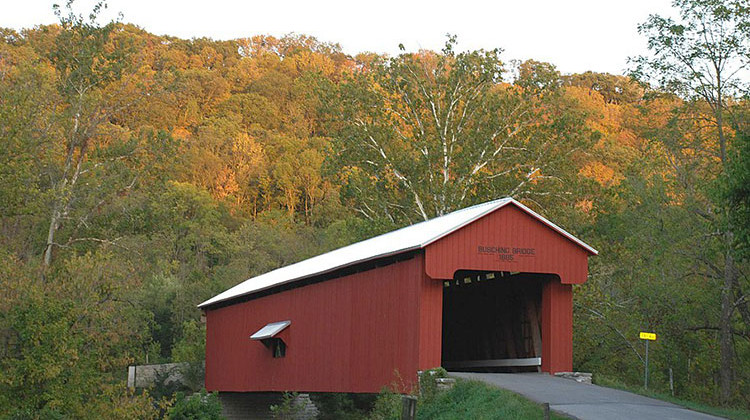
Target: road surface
point(584, 401)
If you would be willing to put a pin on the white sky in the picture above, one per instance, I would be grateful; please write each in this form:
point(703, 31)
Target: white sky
point(574, 35)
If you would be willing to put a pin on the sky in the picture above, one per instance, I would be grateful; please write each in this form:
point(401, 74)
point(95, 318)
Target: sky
point(574, 35)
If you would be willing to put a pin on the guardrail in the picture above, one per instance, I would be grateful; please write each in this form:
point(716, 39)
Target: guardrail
point(521, 362)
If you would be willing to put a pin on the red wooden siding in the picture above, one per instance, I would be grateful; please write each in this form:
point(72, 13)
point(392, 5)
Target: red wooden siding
point(512, 228)
point(430, 323)
point(557, 327)
point(347, 335)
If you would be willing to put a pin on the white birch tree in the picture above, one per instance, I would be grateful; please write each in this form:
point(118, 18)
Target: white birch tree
point(424, 134)
point(97, 79)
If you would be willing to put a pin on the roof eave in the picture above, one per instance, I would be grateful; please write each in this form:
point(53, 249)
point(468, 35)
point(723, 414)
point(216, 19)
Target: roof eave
point(500, 204)
point(510, 200)
point(211, 302)
point(556, 228)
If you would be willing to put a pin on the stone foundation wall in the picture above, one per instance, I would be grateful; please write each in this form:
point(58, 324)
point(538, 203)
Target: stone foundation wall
point(257, 405)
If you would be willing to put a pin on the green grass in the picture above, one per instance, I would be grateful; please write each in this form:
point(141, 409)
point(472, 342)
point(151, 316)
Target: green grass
point(478, 401)
point(731, 413)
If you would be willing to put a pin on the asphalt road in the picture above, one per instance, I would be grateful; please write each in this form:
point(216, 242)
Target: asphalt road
point(583, 401)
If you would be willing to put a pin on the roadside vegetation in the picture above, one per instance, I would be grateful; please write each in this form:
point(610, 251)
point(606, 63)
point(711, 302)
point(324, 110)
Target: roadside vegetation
point(476, 400)
point(662, 394)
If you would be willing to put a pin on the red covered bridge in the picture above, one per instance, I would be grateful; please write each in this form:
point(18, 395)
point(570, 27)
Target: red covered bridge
point(484, 288)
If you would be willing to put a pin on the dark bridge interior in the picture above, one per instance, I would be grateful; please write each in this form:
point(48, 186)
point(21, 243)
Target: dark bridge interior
point(492, 321)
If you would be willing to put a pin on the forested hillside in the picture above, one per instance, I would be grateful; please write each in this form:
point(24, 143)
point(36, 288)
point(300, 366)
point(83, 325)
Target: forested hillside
point(142, 174)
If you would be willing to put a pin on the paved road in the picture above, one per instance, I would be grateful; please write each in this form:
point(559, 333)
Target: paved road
point(583, 401)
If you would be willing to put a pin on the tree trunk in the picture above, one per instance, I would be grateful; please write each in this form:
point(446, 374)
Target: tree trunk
point(51, 237)
point(726, 348)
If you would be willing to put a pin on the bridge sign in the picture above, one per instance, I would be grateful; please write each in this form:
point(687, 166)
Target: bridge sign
point(648, 336)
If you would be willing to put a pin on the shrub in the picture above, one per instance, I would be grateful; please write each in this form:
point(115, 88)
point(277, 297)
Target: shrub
point(201, 406)
point(427, 382)
point(289, 408)
point(333, 406)
point(387, 405)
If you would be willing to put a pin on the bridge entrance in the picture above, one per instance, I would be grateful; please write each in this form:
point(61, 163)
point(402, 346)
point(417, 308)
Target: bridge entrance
point(492, 321)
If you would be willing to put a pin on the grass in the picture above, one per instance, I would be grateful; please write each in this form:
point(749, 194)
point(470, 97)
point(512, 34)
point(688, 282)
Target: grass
point(478, 401)
point(731, 413)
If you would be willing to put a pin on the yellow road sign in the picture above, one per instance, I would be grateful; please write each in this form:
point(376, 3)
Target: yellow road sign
point(648, 336)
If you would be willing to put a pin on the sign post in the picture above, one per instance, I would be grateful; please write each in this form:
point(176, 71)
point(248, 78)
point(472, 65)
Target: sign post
point(647, 337)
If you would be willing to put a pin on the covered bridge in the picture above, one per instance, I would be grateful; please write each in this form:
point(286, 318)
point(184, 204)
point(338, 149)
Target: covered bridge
point(488, 287)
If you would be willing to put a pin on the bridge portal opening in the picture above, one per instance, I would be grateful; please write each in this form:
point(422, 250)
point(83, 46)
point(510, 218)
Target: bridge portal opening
point(492, 321)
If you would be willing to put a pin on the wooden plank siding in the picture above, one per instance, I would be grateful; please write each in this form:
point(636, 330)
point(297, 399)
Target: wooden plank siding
point(507, 227)
point(430, 323)
point(557, 327)
point(348, 334)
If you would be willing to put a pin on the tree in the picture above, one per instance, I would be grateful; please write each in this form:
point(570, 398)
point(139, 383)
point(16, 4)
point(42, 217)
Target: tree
point(702, 59)
point(96, 81)
point(614, 89)
point(27, 108)
point(737, 193)
point(198, 406)
point(424, 134)
point(64, 344)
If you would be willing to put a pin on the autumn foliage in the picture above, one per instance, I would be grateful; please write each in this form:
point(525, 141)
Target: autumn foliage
point(142, 174)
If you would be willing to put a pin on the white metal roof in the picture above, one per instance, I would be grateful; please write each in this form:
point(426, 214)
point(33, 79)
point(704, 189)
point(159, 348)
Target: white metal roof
point(270, 330)
point(406, 239)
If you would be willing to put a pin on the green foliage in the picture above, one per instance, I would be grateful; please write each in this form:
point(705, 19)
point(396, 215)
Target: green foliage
point(727, 412)
point(200, 406)
point(191, 349)
point(467, 399)
point(332, 406)
point(698, 55)
point(427, 382)
point(387, 405)
point(288, 409)
point(472, 399)
point(700, 60)
point(63, 339)
point(736, 193)
point(652, 281)
point(44, 413)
